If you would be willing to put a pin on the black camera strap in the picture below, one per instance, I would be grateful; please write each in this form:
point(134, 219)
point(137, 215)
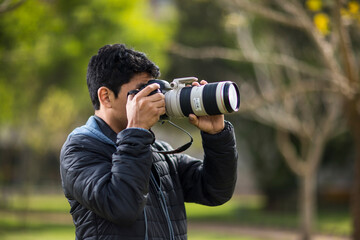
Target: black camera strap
point(181, 148)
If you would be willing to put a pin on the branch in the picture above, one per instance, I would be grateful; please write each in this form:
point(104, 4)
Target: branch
point(266, 58)
point(206, 53)
point(329, 123)
point(302, 21)
point(287, 149)
point(326, 49)
point(279, 119)
point(253, 106)
point(293, 8)
point(311, 85)
point(236, 55)
point(7, 7)
point(265, 12)
point(349, 61)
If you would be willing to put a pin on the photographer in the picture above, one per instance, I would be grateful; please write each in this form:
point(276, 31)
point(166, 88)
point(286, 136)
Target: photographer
point(117, 183)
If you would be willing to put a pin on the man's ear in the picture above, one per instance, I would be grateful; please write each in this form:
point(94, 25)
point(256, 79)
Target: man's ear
point(105, 96)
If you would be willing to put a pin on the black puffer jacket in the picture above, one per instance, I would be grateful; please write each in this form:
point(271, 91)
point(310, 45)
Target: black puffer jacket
point(127, 191)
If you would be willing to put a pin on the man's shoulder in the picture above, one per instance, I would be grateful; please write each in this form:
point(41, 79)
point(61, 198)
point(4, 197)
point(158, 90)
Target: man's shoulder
point(81, 139)
point(83, 143)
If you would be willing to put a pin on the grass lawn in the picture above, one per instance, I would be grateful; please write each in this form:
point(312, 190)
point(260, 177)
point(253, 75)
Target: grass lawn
point(46, 217)
point(55, 233)
point(246, 210)
point(50, 233)
point(197, 235)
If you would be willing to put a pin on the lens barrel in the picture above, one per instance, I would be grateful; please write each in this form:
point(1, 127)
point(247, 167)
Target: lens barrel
point(209, 99)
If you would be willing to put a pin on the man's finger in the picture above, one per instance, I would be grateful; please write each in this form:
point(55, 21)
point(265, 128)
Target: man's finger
point(195, 84)
point(147, 90)
point(156, 97)
point(203, 82)
point(130, 97)
point(193, 119)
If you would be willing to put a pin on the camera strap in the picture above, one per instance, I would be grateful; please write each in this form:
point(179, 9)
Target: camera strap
point(181, 148)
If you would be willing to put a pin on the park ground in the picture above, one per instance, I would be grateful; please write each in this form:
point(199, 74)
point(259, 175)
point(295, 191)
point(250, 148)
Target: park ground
point(44, 216)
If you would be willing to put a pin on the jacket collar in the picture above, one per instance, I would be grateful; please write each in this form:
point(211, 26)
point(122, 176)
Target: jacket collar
point(92, 129)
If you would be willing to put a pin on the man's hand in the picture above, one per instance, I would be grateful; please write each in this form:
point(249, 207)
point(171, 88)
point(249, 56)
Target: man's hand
point(209, 124)
point(142, 110)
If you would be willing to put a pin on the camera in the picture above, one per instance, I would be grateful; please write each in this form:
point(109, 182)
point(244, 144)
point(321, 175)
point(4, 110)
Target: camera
point(210, 99)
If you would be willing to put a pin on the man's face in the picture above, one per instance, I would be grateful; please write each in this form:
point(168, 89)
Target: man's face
point(119, 108)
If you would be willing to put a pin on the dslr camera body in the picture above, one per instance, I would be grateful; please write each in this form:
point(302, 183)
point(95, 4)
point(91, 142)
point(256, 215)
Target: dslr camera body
point(210, 99)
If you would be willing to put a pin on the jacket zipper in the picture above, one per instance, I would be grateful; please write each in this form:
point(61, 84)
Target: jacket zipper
point(162, 201)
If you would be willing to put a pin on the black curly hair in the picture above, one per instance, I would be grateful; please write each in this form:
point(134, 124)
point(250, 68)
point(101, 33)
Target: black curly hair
point(115, 65)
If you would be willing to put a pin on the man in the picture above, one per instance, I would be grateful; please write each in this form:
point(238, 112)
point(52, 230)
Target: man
point(117, 184)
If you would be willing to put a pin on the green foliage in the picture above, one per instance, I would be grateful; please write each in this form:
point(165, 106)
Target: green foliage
point(45, 47)
point(7, 102)
point(57, 109)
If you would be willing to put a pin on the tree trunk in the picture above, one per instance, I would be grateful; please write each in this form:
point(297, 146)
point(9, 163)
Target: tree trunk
point(354, 122)
point(307, 204)
point(356, 192)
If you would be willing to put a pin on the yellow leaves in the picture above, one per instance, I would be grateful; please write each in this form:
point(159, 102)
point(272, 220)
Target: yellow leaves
point(322, 10)
point(353, 7)
point(322, 23)
point(314, 5)
point(321, 20)
point(350, 13)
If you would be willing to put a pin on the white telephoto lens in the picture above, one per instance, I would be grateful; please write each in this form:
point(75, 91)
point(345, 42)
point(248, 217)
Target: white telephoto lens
point(233, 98)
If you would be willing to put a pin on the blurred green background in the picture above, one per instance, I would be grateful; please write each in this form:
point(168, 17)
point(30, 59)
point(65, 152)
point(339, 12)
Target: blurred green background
point(296, 132)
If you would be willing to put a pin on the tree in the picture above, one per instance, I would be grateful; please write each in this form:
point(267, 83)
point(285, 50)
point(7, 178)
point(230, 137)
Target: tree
point(45, 47)
point(299, 93)
point(201, 24)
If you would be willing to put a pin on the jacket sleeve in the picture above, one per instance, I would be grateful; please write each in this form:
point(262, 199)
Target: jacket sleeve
point(211, 181)
point(114, 189)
